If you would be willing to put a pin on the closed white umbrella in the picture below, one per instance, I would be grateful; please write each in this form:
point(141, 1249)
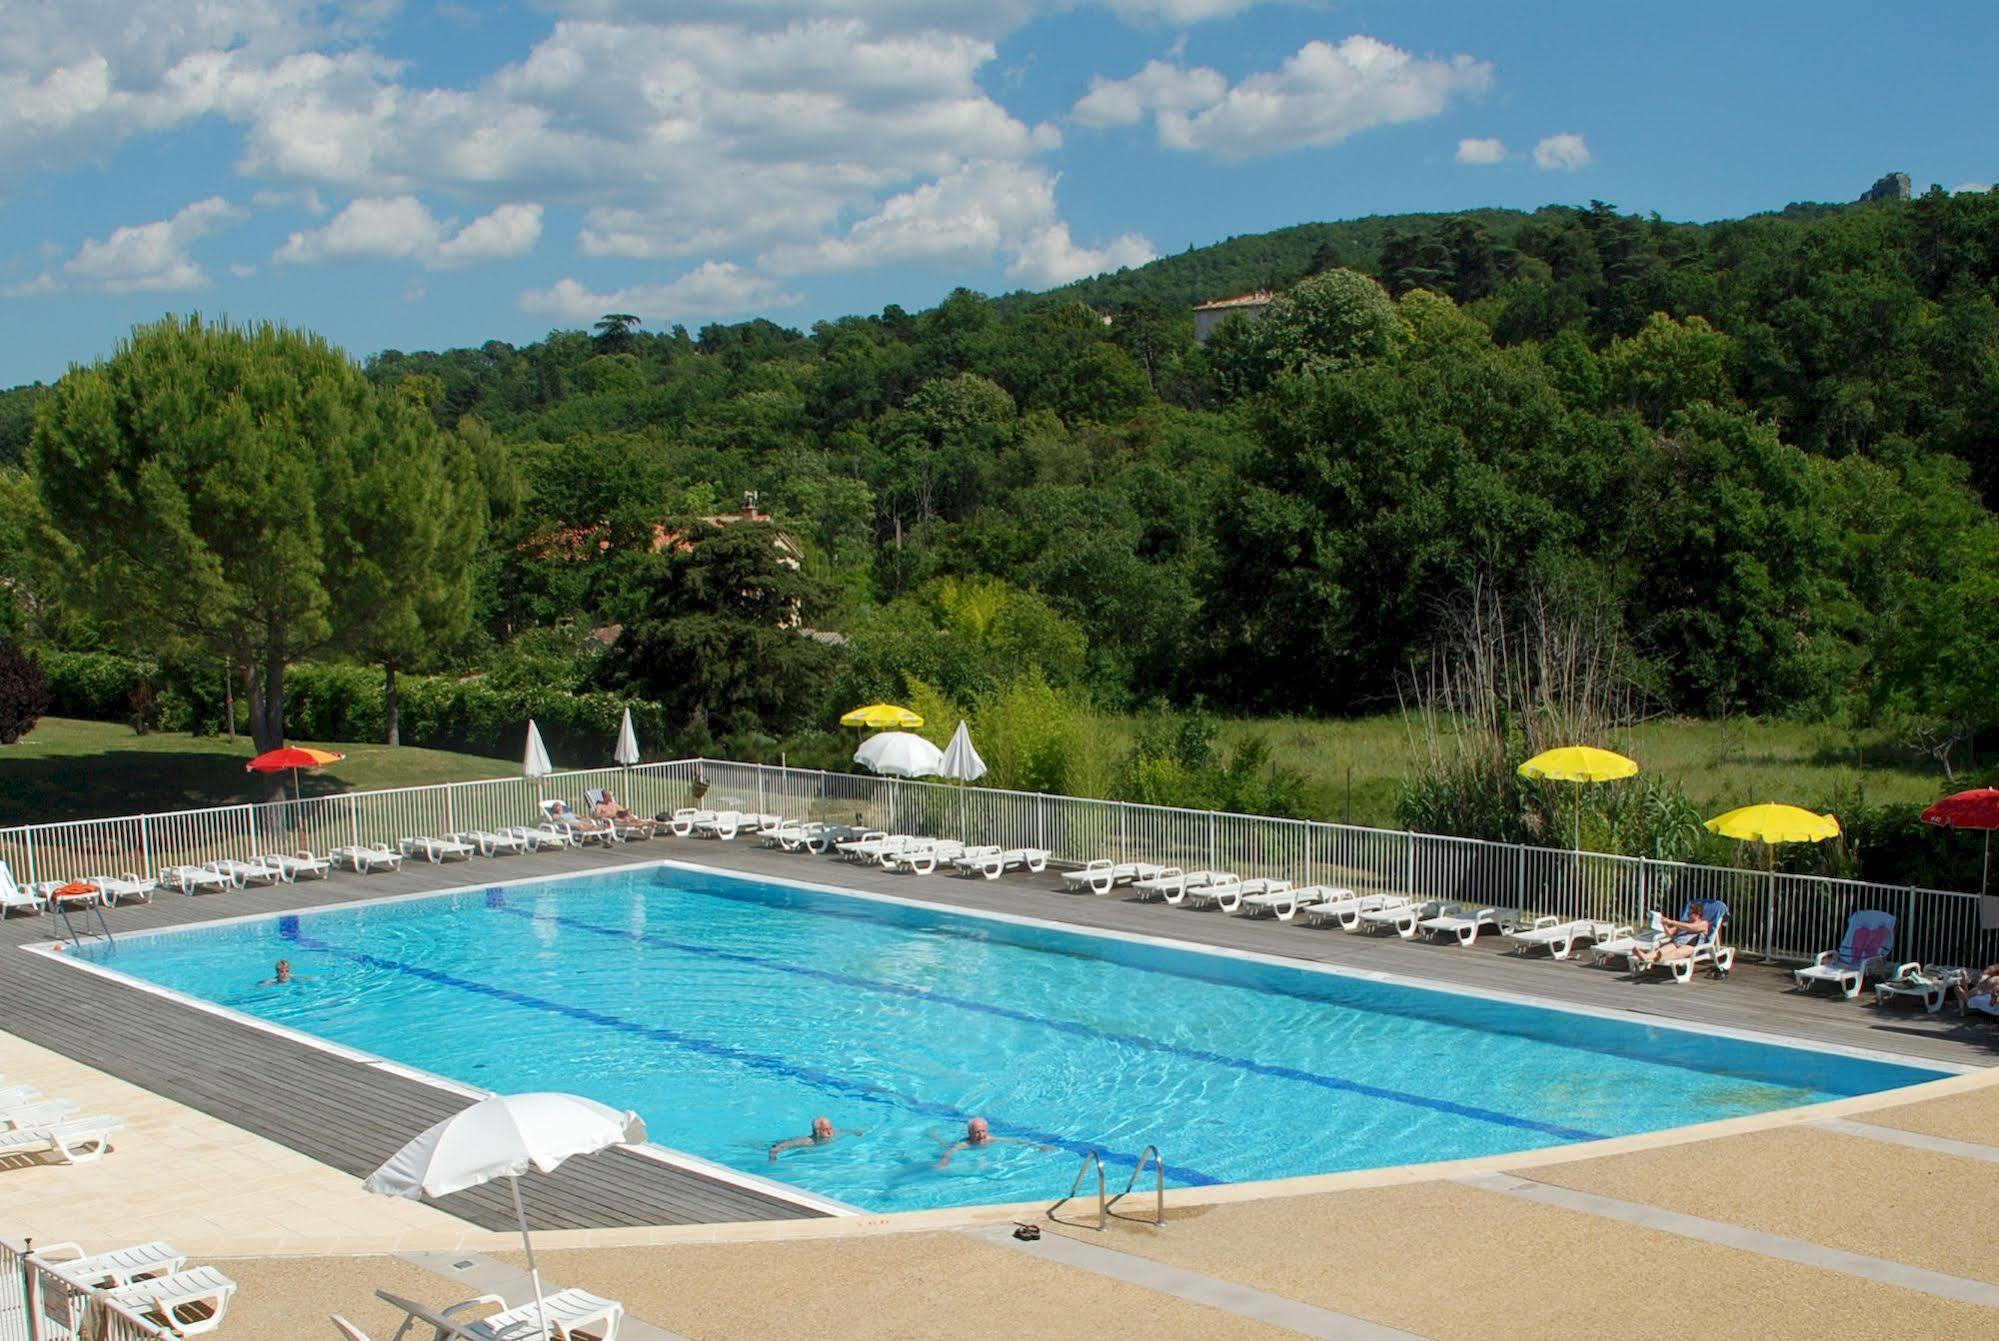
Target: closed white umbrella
point(960, 760)
point(536, 764)
point(899, 754)
point(504, 1137)
point(627, 752)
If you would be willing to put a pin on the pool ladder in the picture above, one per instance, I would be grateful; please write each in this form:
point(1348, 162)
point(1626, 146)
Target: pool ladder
point(1107, 1206)
point(95, 908)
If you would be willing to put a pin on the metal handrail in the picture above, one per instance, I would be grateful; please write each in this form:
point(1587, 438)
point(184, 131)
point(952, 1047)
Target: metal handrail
point(1150, 1152)
point(1103, 1206)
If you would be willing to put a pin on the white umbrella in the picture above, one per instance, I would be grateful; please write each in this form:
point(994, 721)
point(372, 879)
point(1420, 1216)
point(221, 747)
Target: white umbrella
point(960, 760)
point(504, 1137)
point(900, 754)
point(627, 752)
point(536, 764)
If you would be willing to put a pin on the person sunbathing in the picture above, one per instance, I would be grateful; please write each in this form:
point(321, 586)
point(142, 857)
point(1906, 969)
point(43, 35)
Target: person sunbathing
point(1682, 934)
point(608, 808)
point(1982, 995)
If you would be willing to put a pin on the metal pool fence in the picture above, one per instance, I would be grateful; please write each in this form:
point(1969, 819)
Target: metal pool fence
point(1778, 916)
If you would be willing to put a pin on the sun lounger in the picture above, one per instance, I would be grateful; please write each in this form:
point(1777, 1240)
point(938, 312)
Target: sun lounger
point(1863, 950)
point(1171, 880)
point(992, 862)
point(487, 843)
point(35, 1113)
point(1707, 948)
point(436, 850)
point(581, 828)
point(75, 1142)
point(186, 1303)
point(15, 899)
point(1559, 935)
point(1928, 983)
point(243, 873)
point(1346, 913)
point(872, 846)
point(197, 880)
point(723, 825)
point(1104, 875)
point(1400, 915)
point(572, 1316)
point(109, 1271)
point(1617, 948)
point(365, 857)
point(827, 837)
point(1228, 895)
point(1453, 920)
point(1285, 900)
point(300, 865)
point(130, 887)
point(922, 858)
point(535, 837)
point(788, 835)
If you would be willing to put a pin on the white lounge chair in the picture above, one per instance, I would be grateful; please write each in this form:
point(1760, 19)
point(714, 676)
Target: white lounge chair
point(922, 858)
point(76, 1142)
point(487, 843)
point(1284, 900)
point(788, 835)
point(1228, 895)
point(130, 887)
point(871, 846)
point(582, 828)
point(1403, 918)
point(828, 837)
point(36, 1113)
point(436, 850)
point(15, 899)
point(1863, 951)
point(1171, 883)
point(723, 825)
point(1104, 875)
point(196, 880)
point(186, 1303)
point(1928, 983)
point(300, 865)
point(365, 857)
point(1346, 913)
point(572, 1315)
point(108, 1271)
point(1559, 935)
point(1454, 920)
point(535, 837)
point(993, 862)
point(1617, 948)
point(243, 873)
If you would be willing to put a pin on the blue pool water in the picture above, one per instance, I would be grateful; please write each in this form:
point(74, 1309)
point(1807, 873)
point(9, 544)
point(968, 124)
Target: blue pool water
point(728, 1012)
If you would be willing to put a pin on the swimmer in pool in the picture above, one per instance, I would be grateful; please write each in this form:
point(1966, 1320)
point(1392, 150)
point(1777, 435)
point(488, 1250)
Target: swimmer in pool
point(978, 1134)
point(285, 977)
point(823, 1132)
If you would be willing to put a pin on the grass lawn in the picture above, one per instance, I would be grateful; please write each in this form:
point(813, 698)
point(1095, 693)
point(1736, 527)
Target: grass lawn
point(1721, 764)
point(77, 770)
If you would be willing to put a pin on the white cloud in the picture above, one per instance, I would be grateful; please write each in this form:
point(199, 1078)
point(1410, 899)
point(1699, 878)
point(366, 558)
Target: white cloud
point(712, 289)
point(1158, 87)
point(1051, 257)
point(241, 270)
point(1322, 94)
point(402, 228)
point(1481, 153)
point(141, 258)
point(1562, 153)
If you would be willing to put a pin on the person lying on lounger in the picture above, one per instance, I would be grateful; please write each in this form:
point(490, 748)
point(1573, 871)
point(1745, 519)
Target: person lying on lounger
point(978, 1134)
point(609, 809)
point(823, 1132)
point(1982, 995)
point(1683, 933)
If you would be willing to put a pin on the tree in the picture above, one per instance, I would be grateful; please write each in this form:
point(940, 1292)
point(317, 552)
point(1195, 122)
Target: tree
point(24, 693)
point(211, 476)
point(614, 332)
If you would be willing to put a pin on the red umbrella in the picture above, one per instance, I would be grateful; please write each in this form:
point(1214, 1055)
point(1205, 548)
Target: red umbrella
point(293, 757)
point(1975, 809)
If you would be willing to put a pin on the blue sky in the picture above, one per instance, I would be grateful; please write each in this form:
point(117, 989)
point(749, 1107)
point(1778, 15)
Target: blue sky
point(416, 174)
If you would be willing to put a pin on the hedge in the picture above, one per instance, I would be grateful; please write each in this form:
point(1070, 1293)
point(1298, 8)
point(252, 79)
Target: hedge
point(344, 703)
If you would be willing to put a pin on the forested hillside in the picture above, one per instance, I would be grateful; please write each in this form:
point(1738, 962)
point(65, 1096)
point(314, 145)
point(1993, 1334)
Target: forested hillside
point(1767, 446)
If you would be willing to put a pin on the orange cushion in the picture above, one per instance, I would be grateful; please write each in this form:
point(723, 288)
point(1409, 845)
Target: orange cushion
point(75, 889)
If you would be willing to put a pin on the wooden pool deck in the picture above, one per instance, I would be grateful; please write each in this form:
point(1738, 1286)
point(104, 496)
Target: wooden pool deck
point(351, 1115)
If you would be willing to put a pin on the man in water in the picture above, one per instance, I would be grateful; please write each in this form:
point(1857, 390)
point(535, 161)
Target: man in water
point(284, 978)
point(823, 1132)
point(978, 1134)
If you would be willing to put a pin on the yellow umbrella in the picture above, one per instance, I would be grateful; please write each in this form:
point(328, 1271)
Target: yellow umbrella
point(1770, 825)
point(1774, 824)
point(1579, 764)
point(882, 717)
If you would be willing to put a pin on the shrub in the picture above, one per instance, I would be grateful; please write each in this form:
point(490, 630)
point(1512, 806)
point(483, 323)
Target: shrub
point(95, 686)
point(24, 693)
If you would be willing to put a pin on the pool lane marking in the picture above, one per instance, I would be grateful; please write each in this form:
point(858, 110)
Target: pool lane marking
point(1323, 1081)
point(1758, 1241)
point(757, 1061)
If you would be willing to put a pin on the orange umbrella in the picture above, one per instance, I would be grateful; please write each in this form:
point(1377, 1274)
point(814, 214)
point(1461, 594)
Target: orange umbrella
point(293, 757)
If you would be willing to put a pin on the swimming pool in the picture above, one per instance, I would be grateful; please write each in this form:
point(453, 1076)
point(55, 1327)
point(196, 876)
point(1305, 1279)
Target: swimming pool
point(728, 1012)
